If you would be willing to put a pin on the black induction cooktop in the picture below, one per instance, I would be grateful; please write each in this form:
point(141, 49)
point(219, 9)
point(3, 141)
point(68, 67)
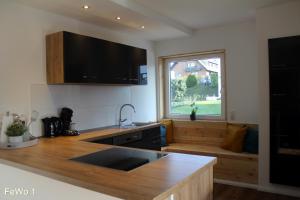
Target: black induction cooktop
point(120, 158)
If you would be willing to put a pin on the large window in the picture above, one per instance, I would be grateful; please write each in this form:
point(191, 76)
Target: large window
point(196, 80)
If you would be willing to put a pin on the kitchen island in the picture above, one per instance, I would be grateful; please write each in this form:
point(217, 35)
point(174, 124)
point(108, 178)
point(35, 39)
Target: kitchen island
point(175, 176)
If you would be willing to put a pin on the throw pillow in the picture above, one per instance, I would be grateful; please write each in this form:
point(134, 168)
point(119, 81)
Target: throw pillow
point(251, 141)
point(169, 129)
point(234, 140)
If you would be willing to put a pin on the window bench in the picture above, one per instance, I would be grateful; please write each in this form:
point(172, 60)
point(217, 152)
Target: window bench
point(205, 138)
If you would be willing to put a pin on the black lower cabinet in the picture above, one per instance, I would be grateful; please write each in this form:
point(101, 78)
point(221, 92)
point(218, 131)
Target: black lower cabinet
point(284, 73)
point(146, 139)
point(152, 139)
point(104, 141)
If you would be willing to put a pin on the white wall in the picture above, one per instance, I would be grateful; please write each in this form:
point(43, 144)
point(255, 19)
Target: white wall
point(239, 42)
point(272, 22)
point(23, 71)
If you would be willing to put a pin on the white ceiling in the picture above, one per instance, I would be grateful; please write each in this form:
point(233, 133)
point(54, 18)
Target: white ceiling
point(201, 13)
point(163, 19)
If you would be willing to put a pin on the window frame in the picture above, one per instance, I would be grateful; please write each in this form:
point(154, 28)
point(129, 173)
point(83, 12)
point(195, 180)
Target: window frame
point(164, 84)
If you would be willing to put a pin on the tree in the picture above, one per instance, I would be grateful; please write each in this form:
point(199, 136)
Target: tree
point(177, 90)
point(191, 81)
point(192, 87)
point(214, 79)
point(214, 83)
point(210, 89)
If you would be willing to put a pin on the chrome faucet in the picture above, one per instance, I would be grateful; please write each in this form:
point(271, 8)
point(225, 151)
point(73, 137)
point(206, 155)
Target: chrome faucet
point(120, 114)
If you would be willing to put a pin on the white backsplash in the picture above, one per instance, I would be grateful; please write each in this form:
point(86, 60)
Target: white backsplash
point(93, 106)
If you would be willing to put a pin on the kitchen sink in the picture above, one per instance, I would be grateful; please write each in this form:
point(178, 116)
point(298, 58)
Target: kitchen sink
point(142, 123)
point(120, 158)
point(136, 124)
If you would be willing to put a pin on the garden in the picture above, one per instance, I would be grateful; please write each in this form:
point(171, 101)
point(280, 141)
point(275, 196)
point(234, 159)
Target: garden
point(201, 92)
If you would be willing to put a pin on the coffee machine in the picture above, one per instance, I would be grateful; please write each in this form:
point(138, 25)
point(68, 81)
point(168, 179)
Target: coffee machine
point(66, 118)
point(55, 126)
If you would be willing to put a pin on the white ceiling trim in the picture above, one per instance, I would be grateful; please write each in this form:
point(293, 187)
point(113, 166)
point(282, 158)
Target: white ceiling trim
point(134, 6)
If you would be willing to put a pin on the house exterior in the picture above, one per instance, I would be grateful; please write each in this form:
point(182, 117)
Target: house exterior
point(202, 69)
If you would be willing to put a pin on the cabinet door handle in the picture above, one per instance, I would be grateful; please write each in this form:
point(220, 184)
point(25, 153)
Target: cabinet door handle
point(89, 77)
point(156, 141)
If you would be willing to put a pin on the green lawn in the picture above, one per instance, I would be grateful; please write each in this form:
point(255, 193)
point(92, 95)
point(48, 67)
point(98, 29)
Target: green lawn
point(204, 108)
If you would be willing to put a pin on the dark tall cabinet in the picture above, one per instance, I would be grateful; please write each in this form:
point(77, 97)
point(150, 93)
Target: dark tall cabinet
point(284, 69)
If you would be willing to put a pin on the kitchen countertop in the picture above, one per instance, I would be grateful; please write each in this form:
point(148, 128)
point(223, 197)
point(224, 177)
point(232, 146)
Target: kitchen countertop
point(51, 158)
point(110, 131)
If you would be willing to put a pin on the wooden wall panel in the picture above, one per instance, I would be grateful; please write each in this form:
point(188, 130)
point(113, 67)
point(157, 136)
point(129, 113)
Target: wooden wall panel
point(210, 133)
point(199, 132)
point(229, 167)
point(55, 58)
point(197, 187)
point(240, 170)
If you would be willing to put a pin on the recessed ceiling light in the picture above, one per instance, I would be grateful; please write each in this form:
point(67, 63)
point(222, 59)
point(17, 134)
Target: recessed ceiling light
point(142, 27)
point(85, 7)
point(118, 18)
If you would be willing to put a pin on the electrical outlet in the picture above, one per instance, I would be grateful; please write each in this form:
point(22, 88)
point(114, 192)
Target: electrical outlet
point(232, 115)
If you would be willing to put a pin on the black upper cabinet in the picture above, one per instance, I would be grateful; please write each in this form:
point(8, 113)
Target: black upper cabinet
point(82, 58)
point(284, 52)
point(90, 60)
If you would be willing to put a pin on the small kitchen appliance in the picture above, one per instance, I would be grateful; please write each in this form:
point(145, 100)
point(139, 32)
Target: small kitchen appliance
point(66, 118)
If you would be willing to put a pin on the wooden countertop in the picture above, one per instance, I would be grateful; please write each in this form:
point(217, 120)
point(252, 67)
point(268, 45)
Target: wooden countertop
point(51, 158)
point(112, 131)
